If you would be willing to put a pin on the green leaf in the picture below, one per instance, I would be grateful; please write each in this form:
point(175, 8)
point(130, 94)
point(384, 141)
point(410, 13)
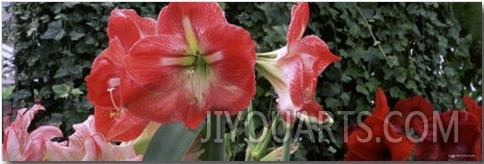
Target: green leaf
point(333, 102)
point(392, 61)
point(75, 35)
point(170, 142)
point(261, 147)
point(362, 89)
point(77, 91)
point(54, 31)
point(6, 92)
point(61, 90)
point(61, 72)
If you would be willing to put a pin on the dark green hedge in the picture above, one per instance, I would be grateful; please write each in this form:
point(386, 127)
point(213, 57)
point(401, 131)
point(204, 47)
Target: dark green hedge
point(406, 48)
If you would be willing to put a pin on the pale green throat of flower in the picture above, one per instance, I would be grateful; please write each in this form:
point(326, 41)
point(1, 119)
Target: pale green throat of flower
point(198, 75)
point(197, 67)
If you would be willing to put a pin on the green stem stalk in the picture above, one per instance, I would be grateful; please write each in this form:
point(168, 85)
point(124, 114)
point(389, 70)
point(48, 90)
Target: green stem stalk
point(216, 147)
point(286, 146)
point(250, 145)
point(376, 42)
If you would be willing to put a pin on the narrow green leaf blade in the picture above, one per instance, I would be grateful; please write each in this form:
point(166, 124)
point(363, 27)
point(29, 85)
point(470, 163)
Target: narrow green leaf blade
point(170, 142)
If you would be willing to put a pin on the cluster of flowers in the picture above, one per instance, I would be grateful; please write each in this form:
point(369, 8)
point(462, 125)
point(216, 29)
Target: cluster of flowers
point(177, 68)
point(85, 144)
point(451, 135)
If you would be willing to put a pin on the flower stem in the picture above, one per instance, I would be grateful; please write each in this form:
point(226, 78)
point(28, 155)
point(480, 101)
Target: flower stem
point(250, 145)
point(216, 147)
point(286, 146)
point(375, 41)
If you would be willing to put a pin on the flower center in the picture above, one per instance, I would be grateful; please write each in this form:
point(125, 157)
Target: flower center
point(198, 80)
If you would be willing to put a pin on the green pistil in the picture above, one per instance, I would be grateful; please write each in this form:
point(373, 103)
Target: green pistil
point(201, 66)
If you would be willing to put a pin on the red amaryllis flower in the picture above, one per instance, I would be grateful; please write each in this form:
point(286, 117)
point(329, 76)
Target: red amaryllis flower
point(476, 110)
point(125, 28)
point(377, 139)
point(294, 69)
point(89, 145)
point(457, 136)
point(20, 145)
point(473, 108)
point(415, 111)
point(197, 63)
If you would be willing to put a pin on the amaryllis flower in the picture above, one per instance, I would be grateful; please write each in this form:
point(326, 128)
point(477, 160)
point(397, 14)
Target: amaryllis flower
point(197, 63)
point(416, 111)
point(370, 142)
point(476, 110)
point(89, 145)
point(125, 28)
point(294, 69)
point(473, 108)
point(466, 145)
point(19, 144)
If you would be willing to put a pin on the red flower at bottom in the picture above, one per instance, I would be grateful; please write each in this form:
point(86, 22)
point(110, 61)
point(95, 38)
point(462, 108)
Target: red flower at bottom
point(377, 139)
point(456, 136)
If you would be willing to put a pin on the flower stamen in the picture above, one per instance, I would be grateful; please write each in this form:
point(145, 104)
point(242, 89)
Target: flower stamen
point(115, 113)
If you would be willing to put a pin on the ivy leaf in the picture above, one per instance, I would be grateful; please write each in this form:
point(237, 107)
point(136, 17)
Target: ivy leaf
point(77, 91)
point(332, 102)
point(362, 89)
point(61, 90)
point(54, 31)
point(75, 35)
point(61, 72)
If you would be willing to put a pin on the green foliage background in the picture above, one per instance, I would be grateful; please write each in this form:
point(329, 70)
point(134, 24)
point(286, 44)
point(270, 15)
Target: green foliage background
point(424, 50)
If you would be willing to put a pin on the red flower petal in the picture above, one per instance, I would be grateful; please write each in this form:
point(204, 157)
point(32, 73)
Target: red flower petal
point(314, 111)
point(466, 129)
point(150, 60)
point(359, 150)
point(160, 86)
point(232, 52)
point(299, 21)
point(478, 148)
point(380, 146)
point(19, 144)
point(447, 146)
point(201, 15)
point(35, 147)
point(429, 151)
point(402, 149)
point(87, 144)
point(105, 74)
point(99, 150)
point(381, 108)
point(473, 108)
point(300, 68)
point(418, 105)
point(118, 125)
point(318, 49)
point(292, 73)
point(157, 65)
point(311, 56)
point(129, 27)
